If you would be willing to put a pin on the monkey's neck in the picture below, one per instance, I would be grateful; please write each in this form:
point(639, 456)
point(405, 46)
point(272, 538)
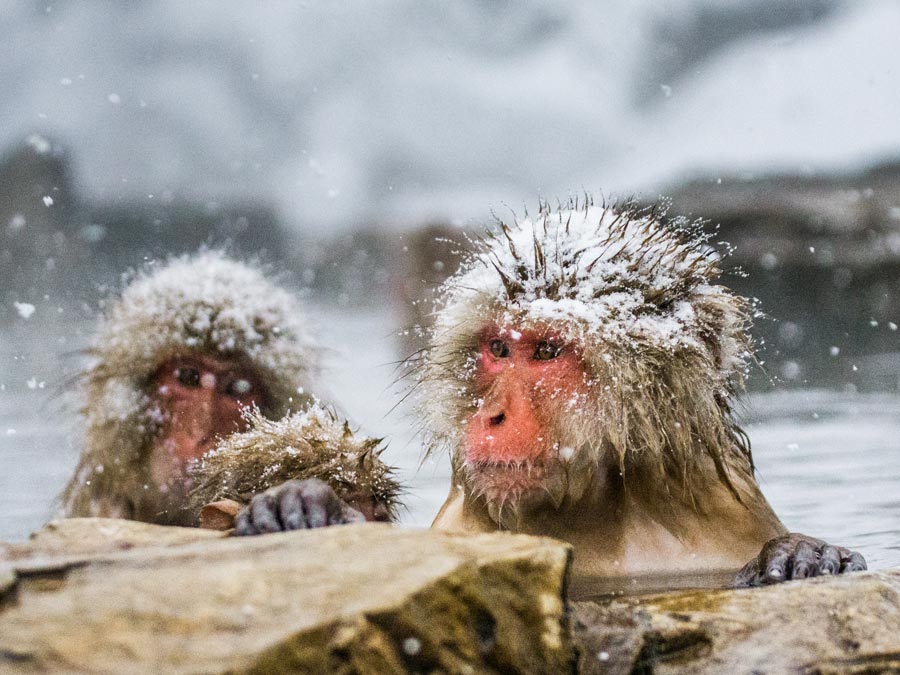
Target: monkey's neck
point(617, 529)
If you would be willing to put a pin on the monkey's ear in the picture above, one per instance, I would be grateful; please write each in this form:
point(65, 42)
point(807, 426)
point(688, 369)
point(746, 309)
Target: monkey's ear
point(725, 331)
point(219, 515)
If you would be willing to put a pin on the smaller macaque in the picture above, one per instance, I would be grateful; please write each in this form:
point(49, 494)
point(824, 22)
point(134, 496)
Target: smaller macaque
point(303, 471)
point(176, 361)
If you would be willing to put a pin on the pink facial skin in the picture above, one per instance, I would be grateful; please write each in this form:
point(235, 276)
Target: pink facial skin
point(523, 375)
point(201, 399)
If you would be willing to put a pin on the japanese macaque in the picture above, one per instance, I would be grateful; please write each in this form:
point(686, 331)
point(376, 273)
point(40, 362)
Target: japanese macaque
point(582, 370)
point(176, 362)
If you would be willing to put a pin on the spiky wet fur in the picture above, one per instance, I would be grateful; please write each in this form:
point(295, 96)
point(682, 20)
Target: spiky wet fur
point(662, 375)
point(310, 444)
point(207, 303)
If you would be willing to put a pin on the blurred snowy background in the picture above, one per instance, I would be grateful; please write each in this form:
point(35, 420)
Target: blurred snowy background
point(336, 140)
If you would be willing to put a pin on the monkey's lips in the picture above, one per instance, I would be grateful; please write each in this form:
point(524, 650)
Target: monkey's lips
point(508, 482)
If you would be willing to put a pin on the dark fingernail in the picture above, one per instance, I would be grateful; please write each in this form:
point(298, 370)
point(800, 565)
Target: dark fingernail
point(830, 560)
point(802, 571)
point(855, 563)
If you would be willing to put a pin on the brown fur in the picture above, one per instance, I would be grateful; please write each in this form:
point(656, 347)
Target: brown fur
point(661, 479)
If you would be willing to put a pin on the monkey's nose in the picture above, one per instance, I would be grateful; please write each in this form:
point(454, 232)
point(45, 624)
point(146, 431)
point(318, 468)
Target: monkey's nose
point(497, 420)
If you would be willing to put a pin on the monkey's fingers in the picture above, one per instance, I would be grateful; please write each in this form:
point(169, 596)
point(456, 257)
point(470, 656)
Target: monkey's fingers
point(263, 513)
point(749, 575)
point(295, 505)
point(243, 526)
point(320, 503)
point(350, 515)
point(829, 560)
point(806, 561)
point(854, 562)
point(290, 507)
point(778, 567)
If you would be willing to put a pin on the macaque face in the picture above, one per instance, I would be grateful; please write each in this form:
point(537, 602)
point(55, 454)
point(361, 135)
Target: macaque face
point(200, 398)
point(518, 445)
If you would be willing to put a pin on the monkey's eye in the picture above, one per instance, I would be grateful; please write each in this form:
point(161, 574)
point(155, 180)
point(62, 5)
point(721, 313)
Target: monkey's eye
point(189, 377)
point(546, 350)
point(240, 387)
point(499, 349)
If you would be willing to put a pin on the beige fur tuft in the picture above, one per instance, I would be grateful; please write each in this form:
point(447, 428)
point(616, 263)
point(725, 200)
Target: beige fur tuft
point(311, 444)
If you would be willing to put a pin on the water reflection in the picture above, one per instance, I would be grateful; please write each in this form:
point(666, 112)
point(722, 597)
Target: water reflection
point(601, 588)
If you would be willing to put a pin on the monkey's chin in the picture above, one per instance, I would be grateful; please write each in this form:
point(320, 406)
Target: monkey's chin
point(510, 490)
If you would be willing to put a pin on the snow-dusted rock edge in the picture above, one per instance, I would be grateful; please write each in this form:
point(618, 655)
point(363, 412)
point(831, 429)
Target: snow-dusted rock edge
point(91, 595)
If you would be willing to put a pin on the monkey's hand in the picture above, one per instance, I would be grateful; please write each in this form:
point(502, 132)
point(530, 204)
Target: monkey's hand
point(796, 556)
point(294, 505)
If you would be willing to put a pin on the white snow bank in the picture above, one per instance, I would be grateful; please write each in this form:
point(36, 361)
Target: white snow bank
point(348, 113)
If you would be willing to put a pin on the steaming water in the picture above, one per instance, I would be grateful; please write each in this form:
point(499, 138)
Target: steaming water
point(828, 462)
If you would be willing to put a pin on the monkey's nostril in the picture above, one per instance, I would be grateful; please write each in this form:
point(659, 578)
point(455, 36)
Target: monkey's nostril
point(497, 419)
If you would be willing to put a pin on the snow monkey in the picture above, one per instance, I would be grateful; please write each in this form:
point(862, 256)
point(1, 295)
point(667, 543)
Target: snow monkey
point(176, 362)
point(582, 369)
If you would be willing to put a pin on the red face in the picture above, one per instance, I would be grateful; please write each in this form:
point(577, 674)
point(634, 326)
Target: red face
point(200, 399)
point(527, 380)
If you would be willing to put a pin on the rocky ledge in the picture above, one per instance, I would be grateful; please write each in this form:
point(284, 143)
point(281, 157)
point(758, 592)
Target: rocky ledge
point(353, 599)
point(92, 595)
point(824, 626)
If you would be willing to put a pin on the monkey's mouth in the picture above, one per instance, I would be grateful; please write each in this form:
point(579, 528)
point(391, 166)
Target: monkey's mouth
point(507, 482)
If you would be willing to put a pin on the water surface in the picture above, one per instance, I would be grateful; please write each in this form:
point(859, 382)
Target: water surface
point(828, 462)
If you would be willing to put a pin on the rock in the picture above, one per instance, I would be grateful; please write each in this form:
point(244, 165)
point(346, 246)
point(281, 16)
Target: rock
point(353, 599)
point(846, 624)
point(87, 537)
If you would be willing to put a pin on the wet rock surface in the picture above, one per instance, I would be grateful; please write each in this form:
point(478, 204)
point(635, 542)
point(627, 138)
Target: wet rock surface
point(130, 597)
point(846, 624)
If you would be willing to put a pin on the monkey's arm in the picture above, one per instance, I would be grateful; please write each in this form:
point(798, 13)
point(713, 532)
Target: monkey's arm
point(796, 556)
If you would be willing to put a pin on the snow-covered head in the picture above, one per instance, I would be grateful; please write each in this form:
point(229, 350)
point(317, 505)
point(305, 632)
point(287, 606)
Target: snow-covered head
point(202, 306)
point(212, 304)
point(632, 301)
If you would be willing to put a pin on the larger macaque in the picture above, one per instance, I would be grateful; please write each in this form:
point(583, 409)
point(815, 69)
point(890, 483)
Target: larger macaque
point(582, 369)
point(176, 363)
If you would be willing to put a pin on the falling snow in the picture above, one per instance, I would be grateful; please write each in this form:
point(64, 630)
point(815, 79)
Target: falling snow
point(24, 309)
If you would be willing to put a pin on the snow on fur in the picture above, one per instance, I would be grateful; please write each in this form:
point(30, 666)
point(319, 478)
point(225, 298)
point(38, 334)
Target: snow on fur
point(638, 293)
point(618, 274)
point(314, 443)
point(208, 303)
